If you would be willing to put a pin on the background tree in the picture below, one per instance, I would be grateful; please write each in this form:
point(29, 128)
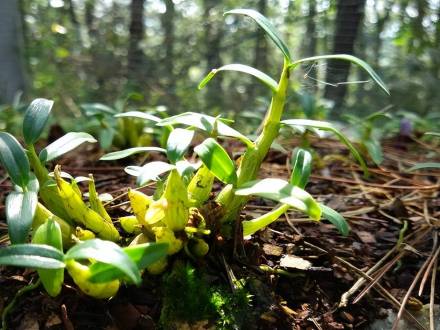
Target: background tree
point(12, 76)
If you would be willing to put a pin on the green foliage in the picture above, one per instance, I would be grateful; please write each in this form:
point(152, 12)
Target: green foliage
point(187, 297)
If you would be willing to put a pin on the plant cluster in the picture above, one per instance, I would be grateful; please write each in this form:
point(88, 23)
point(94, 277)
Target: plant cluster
point(180, 215)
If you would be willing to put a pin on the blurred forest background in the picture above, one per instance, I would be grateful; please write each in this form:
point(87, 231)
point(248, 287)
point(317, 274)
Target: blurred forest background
point(85, 51)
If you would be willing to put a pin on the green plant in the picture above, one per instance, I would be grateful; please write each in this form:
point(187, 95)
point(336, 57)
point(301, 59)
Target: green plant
point(368, 133)
point(239, 178)
point(106, 263)
point(120, 126)
point(427, 165)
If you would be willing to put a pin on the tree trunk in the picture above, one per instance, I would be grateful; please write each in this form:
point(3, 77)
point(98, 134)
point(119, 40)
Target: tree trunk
point(212, 41)
point(348, 18)
point(168, 62)
point(135, 53)
point(12, 76)
point(309, 40)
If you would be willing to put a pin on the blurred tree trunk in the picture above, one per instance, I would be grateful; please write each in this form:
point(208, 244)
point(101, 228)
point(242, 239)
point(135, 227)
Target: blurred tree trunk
point(12, 76)
point(90, 18)
point(168, 62)
point(309, 40)
point(135, 54)
point(382, 19)
point(74, 20)
point(348, 19)
point(212, 42)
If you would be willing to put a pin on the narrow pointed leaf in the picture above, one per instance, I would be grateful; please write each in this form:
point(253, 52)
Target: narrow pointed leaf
point(142, 255)
point(64, 144)
point(267, 26)
point(35, 119)
point(32, 256)
point(139, 115)
point(422, 166)
point(20, 211)
point(129, 152)
point(108, 253)
point(325, 126)
point(205, 123)
point(217, 160)
point(261, 76)
point(93, 109)
point(301, 167)
point(14, 159)
point(151, 172)
point(281, 191)
point(178, 143)
point(252, 226)
point(336, 219)
point(364, 65)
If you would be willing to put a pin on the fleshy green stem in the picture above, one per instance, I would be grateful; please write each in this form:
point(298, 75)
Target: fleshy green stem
point(253, 157)
point(40, 171)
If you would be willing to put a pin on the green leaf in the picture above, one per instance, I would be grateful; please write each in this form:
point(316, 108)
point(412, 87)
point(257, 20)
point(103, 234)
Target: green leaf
point(32, 255)
point(422, 166)
point(301, 167)
point(94, 109)
point(205, 123)
point(142, 255)
point(252, 226)
point(106, 252)
point(35, 119)
point(64, 144)
point(151, 172)
point(336, 219)
point(217, 160)
point(374, 150)
point(281, 191)
point(325, 126)
point(178, 143)
point(129, 152)
point(20, 211)
point(267, 26)
point(139, 115)
point(432, 134)
point(50, 233)
point(364, 65)
point(264, 78)
point(14, 159)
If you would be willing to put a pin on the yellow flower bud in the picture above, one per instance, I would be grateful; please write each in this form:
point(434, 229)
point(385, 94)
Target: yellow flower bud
point(158, 267)
point(166, 235)
point(200, 186)
point(80, 274)
point(198, 247)
point(172, 208)
point(130, 224)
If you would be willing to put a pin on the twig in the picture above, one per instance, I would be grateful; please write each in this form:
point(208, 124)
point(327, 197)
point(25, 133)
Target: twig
point(432, 296)
point(11, 305)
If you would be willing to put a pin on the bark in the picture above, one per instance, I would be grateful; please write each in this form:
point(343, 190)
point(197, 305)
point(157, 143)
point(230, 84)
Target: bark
point(212, 42)
point(135, 54)
point(348, 19)
point(168, 61)
point(310, 37)
point(12, 75)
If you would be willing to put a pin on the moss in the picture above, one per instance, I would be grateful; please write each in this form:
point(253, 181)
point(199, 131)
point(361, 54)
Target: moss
point(187, 298)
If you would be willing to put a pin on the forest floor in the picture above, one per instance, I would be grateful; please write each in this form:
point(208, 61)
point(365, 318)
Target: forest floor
point(318, 267)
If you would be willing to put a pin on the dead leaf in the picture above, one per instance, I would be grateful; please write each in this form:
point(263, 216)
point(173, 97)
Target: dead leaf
point(290, 261)
point(272, 250)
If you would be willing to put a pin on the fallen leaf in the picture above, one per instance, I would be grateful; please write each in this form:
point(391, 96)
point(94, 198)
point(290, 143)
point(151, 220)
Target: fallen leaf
point(290, 261)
